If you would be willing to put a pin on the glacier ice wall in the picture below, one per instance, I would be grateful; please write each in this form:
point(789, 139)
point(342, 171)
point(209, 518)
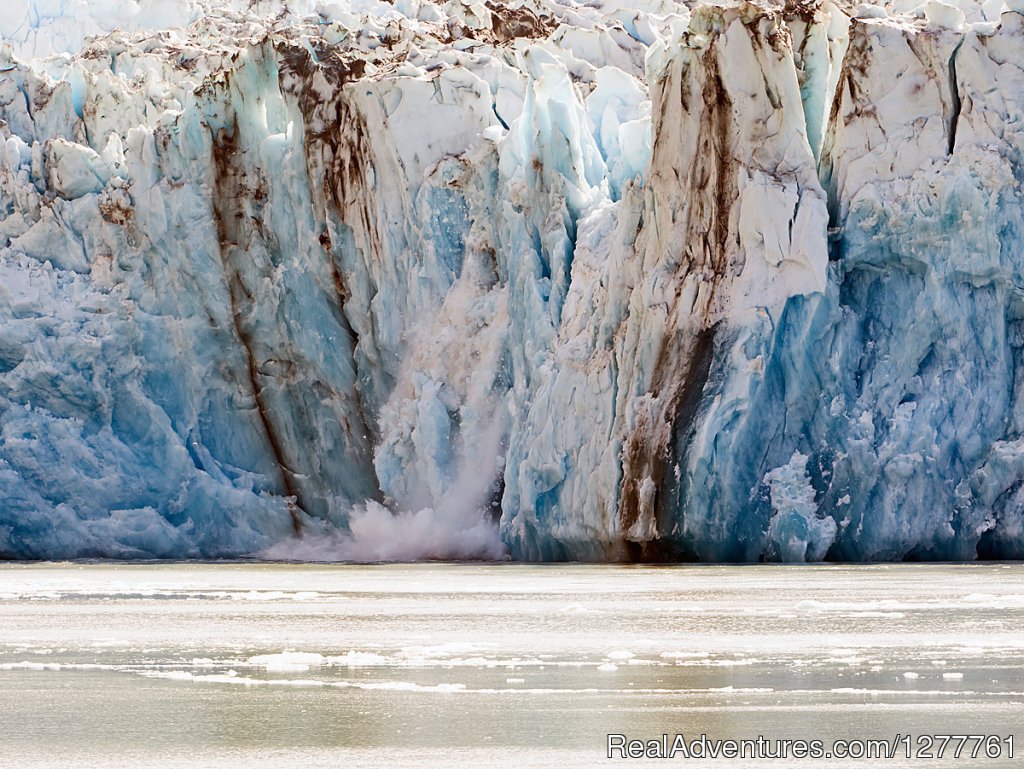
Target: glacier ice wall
point(716, 281)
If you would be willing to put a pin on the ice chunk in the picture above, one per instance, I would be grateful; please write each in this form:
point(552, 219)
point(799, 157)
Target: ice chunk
point(941, 14)
point(796, 532)
point(76, 170)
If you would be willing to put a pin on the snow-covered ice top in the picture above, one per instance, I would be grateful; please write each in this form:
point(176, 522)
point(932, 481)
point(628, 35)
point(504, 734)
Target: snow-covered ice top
point(37, 28)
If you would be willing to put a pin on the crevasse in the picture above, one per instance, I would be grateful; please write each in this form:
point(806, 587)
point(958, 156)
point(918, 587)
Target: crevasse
point(618, 281)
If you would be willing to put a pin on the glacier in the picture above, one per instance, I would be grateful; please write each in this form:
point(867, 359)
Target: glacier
point(630, 280)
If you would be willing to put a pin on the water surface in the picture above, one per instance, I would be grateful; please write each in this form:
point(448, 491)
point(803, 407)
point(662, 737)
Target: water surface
point(461, 665)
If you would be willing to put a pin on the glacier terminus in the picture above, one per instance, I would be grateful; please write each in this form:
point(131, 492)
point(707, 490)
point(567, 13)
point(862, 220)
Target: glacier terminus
point(607, 281)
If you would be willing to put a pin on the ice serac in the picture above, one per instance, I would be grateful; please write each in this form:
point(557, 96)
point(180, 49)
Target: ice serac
point(697, 267)
point(619, 281)
point(922, 381)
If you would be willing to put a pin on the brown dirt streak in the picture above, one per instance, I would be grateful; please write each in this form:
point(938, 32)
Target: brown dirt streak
point(227, 213)
point(683, 364)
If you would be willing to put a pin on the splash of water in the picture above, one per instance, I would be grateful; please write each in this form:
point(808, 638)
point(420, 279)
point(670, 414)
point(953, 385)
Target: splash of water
point(377, 534)
point(455, 528)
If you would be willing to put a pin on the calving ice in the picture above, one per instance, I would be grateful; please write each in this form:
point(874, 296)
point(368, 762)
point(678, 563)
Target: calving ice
point(722, 281)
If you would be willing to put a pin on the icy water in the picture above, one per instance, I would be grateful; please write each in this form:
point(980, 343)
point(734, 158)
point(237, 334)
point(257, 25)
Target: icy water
point(437, 665)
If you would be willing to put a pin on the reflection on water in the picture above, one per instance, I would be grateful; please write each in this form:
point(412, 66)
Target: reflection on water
point(436, 665)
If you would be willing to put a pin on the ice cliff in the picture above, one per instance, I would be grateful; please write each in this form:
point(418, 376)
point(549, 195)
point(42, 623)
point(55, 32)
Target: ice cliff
point(629, 279)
